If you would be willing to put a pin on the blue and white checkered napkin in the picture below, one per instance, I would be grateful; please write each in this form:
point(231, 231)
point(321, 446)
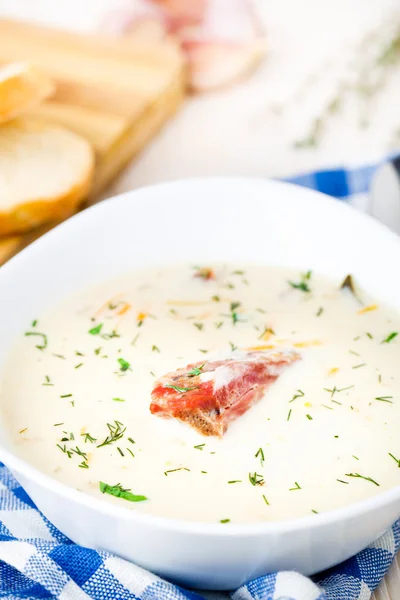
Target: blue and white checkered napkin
point(344, 184)
point(38, 561)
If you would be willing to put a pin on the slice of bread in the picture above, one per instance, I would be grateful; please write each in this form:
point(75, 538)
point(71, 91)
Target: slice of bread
point(45, 173)
point(21, 88)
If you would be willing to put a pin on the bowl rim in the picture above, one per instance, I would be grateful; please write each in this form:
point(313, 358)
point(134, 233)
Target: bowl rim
point(311, 522)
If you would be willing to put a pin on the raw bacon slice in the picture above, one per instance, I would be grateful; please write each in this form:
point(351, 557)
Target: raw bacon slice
point(208, 395)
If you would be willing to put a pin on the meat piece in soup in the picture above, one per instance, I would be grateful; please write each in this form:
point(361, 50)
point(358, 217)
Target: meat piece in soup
point(208, 395)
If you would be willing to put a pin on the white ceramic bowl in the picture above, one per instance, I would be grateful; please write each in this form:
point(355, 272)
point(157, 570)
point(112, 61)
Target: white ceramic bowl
point(201, 221)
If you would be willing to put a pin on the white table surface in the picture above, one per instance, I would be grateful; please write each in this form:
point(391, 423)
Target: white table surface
point(236, 131)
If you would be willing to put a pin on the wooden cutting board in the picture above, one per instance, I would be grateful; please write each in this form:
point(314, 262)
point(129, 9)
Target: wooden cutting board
point(116, 92)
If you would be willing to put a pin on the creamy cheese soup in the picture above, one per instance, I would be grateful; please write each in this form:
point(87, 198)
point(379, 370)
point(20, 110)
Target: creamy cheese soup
point(77, 389)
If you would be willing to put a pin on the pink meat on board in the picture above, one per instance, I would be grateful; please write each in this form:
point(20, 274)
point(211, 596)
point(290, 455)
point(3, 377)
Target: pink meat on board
point(222, 40)
point(208, 395)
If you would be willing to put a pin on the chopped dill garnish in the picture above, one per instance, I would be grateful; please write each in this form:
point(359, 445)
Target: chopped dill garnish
point(358, 476)
point(237, 272)
point(118, 399)
point(135, 339)
point(200, 326)
point(260, 453)
point(155, 348)
point(320, 311)
point(395, 459)
point(384, 399)
point(235, 481)
point(371, 337)
point(47, 381)
point(355, 353)
point(44, 344)
point(309, 417)
point(260, 310)
point(335, 390)
point(233, 347)
point(130, 452)
point(59, 356)
point(234, 315)
point(79, 452)
point(218, 324)
point(123, 365)
point(66, 396)
point(120, 492)
point(225, 521)
point(328, 407)
point(314, 511)
point(289, 415)
point(265, 500)
point(83, 465)
point(199, 447)
point(78, 366)
point(256, 479)
point(131, 440)
point(196, 371)
point(57, 424)
point(116, 432)
point(302, 285)
point(216, 299)
point(77, 353)
point(297, 487)
point(88, 438)
point(356, 457)
point(120, 451)
point(390, 337)
point(181, 390)
point(65, 450)
point(110, 336)
point(96, 330)
point(359, 366)
point(203, 351)
point(98, 350)
point(23, 430)
point(204, 472)
point(174, 470)
point(341, 481)
point(34, 323)
point(298, 394)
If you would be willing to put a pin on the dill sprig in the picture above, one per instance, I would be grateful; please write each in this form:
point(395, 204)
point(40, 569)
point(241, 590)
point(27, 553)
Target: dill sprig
point(116, 432)
point(256, 479)
point(358, 476)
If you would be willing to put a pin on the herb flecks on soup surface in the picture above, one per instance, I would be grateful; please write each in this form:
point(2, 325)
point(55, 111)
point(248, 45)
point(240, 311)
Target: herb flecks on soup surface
point(209, 395)
point(323, 435)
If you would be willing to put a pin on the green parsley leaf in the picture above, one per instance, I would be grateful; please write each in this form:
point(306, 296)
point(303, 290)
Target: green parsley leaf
point(96, 330)
point(124, 365)
point(119, 492)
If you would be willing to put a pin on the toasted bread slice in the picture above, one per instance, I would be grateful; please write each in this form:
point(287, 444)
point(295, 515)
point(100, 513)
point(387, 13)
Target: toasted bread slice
point(21, 87)
point(45, 172)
